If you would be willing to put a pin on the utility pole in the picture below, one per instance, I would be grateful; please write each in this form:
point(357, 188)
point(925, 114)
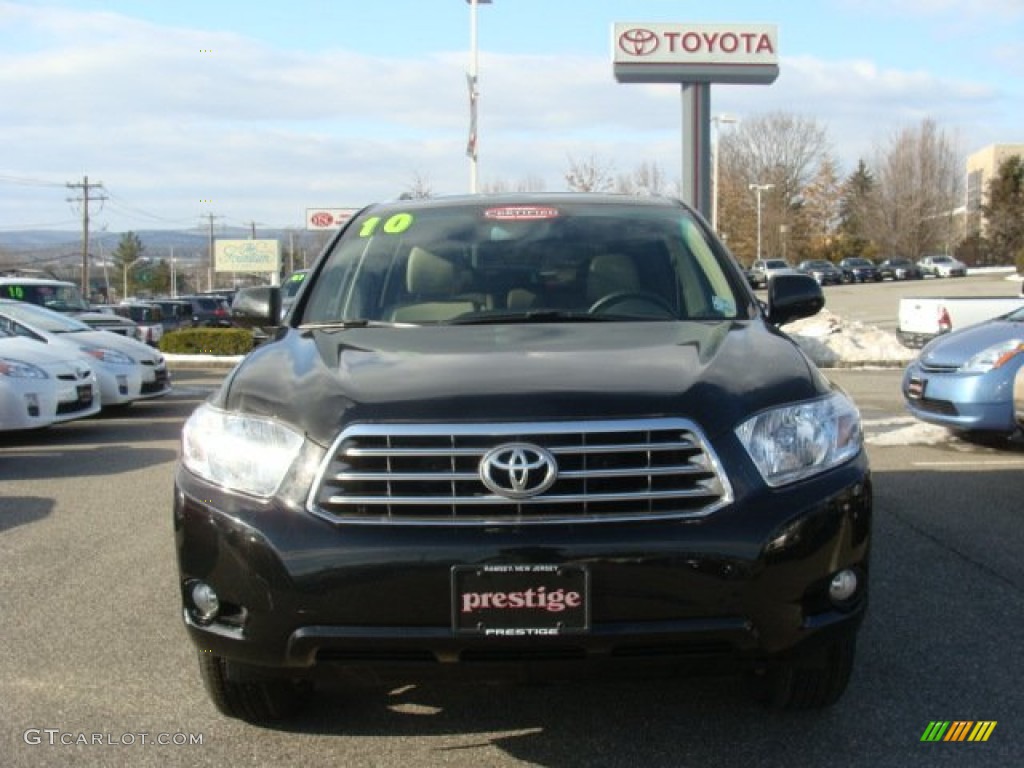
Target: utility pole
point(86, 197)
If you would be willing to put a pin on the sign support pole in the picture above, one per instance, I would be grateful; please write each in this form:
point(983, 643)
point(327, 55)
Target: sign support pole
point(695, 188)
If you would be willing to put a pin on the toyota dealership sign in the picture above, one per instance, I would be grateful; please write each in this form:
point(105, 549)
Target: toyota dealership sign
point(695, 53)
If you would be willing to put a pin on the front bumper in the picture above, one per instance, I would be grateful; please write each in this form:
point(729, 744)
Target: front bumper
point(748, 583)
point(960, 401)
point(121, 384)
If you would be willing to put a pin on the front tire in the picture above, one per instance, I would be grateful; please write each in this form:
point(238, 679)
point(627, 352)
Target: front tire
point(813, 683)
point(255, 701)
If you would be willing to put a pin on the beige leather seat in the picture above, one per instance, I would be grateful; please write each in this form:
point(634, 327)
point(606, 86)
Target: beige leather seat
point(434, 282)
point(611, 273)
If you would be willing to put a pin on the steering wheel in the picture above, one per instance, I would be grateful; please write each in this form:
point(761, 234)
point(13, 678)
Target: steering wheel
point(619, 297)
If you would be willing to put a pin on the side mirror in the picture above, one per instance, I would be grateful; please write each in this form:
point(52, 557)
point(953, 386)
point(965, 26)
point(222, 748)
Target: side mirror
point(257, 307)
point(793, 296)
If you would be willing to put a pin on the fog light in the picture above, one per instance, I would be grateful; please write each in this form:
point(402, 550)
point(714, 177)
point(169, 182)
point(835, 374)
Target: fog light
point(122, 384)
point(843, 586)
point(205, 601)
point(32, 404)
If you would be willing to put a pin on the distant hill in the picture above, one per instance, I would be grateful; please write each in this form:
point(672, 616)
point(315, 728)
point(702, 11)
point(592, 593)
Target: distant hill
point(60, 252)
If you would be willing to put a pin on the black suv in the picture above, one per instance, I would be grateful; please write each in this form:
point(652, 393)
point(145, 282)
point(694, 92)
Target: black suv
point(519, 433)
point(212, 311)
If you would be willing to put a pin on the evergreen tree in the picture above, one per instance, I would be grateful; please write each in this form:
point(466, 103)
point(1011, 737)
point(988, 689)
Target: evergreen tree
point(1004, 213)
point(129, 251)
point(855, 203)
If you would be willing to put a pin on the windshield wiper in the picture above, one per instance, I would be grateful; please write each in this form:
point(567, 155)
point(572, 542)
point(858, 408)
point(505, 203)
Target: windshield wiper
point(342, 325)
point(534, 316)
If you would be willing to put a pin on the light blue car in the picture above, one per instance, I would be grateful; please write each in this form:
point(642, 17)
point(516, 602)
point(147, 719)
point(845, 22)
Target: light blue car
point(964, 380)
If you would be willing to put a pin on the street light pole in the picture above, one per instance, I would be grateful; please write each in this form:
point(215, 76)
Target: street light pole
point(758, 189)
point(716, 121)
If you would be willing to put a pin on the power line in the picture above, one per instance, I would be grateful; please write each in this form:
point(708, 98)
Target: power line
point(27, 182)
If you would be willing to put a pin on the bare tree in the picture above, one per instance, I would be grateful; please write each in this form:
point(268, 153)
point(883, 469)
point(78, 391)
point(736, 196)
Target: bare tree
point(780, 149)
point(918, 183)
point(646, 179)
point(821, 210)
point(529, 183)
point(418, 188)
point(589, 175)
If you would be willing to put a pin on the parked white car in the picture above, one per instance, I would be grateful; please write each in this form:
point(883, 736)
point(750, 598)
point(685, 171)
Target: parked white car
point(127, 370)
point(941, 265)
point(40, 386)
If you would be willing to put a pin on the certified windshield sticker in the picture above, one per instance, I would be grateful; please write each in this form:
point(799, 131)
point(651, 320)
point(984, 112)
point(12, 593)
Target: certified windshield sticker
point(521, 213)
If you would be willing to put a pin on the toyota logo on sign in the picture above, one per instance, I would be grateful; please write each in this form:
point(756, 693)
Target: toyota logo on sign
point(638, 42)
point(518, 470)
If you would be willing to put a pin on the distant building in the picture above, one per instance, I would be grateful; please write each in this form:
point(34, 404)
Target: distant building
point(982, 167)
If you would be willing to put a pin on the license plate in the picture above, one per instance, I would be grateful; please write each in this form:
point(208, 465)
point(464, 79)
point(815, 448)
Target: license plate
point(520, 600)
point(916, 387)
point(85, 394)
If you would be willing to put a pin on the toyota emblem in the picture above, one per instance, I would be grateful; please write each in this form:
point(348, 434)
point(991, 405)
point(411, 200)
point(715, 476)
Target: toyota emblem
point(518, 470)
point(638, 42)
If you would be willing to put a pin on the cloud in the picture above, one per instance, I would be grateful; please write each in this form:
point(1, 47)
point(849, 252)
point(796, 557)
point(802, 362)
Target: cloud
point(170, 116)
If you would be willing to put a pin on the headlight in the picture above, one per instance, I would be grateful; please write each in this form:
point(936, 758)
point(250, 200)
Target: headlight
point(243, 453)
point(797, 441)
point(107, 355)
point(16, 369)
point(993, 357)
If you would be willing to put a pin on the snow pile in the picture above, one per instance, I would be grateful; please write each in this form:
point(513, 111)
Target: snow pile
point(832, 342)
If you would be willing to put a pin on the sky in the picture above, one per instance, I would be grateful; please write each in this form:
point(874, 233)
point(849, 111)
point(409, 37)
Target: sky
point(255, 112)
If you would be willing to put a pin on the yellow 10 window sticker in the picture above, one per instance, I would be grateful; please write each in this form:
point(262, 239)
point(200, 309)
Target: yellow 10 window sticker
point(394, 225)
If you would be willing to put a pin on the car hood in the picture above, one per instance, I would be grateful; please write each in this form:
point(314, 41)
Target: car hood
point(960, 346)
point(134, 349)
point(39, 353)
point(319, 380)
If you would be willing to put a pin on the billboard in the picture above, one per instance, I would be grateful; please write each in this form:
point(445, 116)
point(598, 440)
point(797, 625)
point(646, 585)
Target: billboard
point(695, 53)
point(328, 218)
point(246, 256)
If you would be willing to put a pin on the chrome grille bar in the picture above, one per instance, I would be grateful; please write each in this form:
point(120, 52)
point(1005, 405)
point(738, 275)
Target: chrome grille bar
point(429, 474)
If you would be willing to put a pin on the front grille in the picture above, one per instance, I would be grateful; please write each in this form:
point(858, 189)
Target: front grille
point(159, 384)
point(63, 409)
point(929, 367)
point(608, 470)
point(932, 405)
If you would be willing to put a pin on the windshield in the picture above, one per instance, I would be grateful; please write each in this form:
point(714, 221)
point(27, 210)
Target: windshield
point(62, 297)
point(490, 261)
point(42, 319)
point(292, 284)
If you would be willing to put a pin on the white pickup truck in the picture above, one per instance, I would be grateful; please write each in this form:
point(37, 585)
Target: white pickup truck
point(922, 318)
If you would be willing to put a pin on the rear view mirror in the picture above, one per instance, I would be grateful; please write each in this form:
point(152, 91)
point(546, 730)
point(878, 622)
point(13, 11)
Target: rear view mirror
point(793, 296)
point(257, 307)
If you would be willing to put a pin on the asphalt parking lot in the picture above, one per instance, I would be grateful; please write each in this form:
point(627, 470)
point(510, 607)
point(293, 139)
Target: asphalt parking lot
point(96, 668)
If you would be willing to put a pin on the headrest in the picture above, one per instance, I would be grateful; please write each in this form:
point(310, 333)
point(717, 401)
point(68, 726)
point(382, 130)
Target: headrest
point(609, 273)
point(428, 273)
